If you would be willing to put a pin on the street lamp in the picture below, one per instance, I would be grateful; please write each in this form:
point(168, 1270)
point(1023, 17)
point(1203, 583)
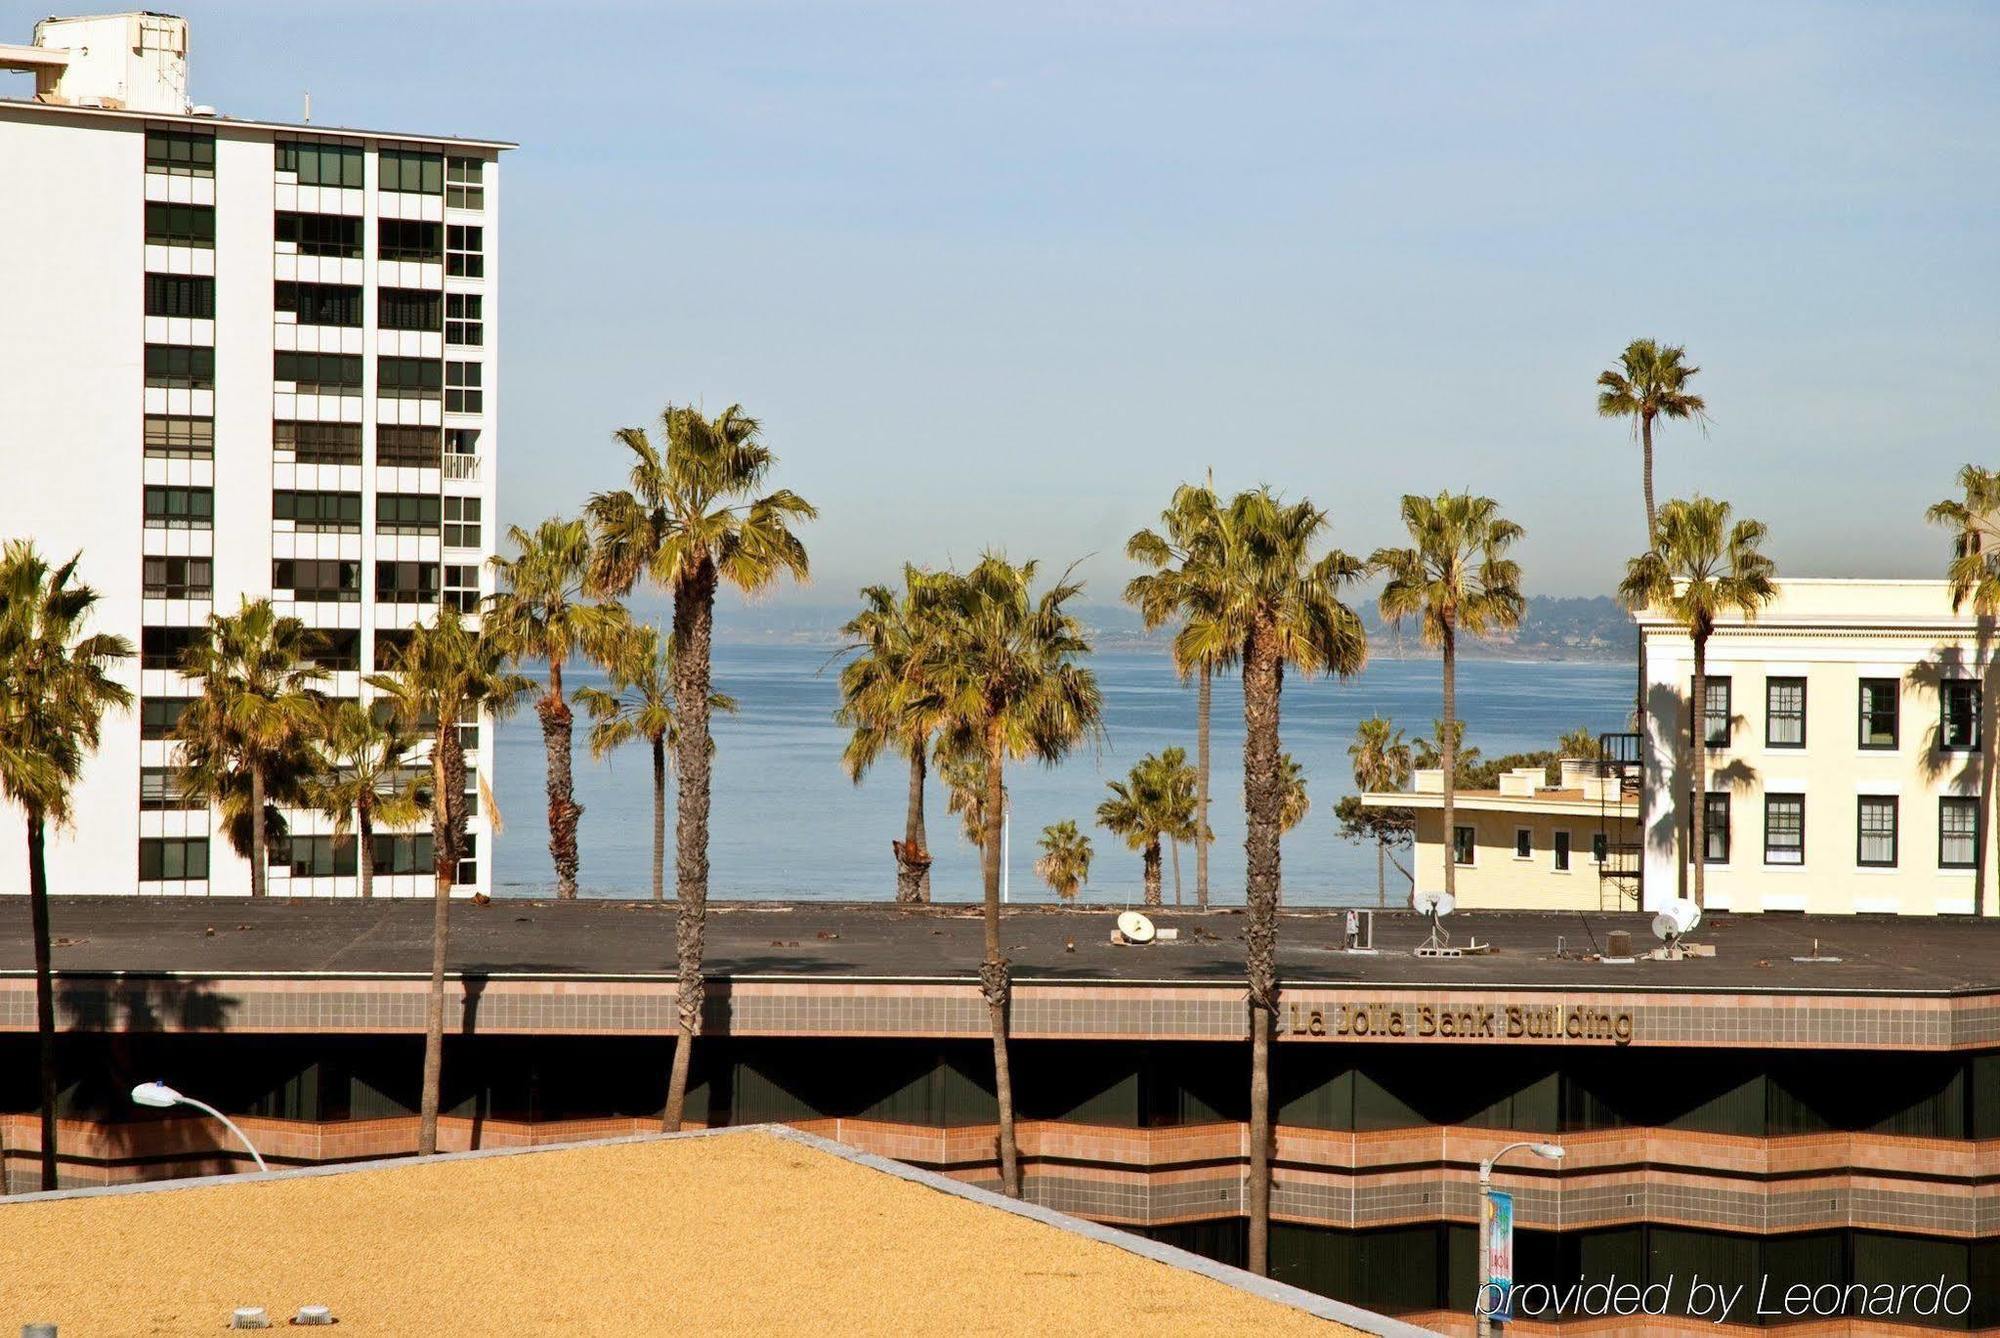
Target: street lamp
point(1482, 1302)
point(162, 1097)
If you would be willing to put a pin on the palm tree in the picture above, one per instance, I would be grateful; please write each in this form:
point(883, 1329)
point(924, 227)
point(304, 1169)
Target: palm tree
point(689, 520)
point(543, 612)
point(1429, 750)
point(1295, 804)
point(59, 686)
point(1580, 743)
point(888, 701)
point(1974, 576)
point(1649, 382)
point(1155, 803)
point(1007, 664)
point(1700, 568)
point(448, 670)
point(1186, 580)
point(251, 723)
point(1065, 861)
point(1277, 605)
point(964, 777)
point(1455, 577)
point(366, 781)
point(1381, 764)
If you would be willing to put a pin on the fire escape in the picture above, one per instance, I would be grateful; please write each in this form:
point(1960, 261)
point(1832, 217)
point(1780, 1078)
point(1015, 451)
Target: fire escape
point(1620, 852)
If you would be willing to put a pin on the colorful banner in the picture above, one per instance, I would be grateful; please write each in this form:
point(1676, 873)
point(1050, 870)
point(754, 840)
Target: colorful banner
point(1500, 1252)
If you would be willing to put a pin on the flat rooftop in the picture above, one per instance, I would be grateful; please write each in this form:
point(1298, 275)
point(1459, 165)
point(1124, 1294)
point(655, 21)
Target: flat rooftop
point(634, 940)
point(749, 1232)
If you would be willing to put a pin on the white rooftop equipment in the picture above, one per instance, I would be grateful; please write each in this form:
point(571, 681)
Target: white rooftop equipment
point(1434, 906)
point(1135, 927)
point(124, 62)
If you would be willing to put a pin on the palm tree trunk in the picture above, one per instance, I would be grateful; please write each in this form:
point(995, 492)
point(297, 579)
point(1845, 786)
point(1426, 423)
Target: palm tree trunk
point(660, 819)
point(993, 980)
point(1698, 800)
point(45, 990)
point(259, 860)
point(1263, 682)
point(1448, 753)
point(563, 808)
point(1177, 872)
point(913, 860)
point(1381, 873)
point(1151, 862)
point(364, 826)
point(1646, 438)
point(1204, 695)
point(448, 778)
point(694, 627)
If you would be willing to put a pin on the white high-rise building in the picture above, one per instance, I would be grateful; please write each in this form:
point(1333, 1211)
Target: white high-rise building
point(238, 359)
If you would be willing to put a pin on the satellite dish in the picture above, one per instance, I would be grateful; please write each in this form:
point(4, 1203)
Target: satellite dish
point(1675, 919)
point(1434, 904)
point(1135, 927)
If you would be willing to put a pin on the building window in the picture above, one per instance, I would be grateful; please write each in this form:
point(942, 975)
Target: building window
point(406, 582)
point(180, 225)
point(413, 171)
point(178, 577)
point(180, 367)
point(173, 437)
point(464, 183)
point(409, 239)
point(319, 443)
point(1958, 832)
point(406, 513)
point(1461, 845)
point(160, 788)
point(336, 649)
point(180, 153)
point(321, 303)
point(159, 715)
point(1784, 829)
point(328, 580)
point(1784, 713)
point(1524, 843)
point(1715, 826)
point(401, 853)
point(1715, 710)
point(319, 373)
point(408, 378)
point(464, 251)
point(318, 512)
point(337, 235)
point(468, 733)
point(1561, 846)
point(461, 388)
point(322, 856)
point(1876, 826)
point(468, 854)
point(461, 522)
point(464, 319)
point(166, 647)
point(1600, 847)
point(317, 163)
point(408, 446)
point(408, 309)
point(173, 859)
point(179, 508)
point(1958, 727)
point(461, 588)
point(1880, 698)
point(190, 295)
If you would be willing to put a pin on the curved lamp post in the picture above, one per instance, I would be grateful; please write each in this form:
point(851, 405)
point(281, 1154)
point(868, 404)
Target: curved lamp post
point(162, 1097)
point(1480, 1305)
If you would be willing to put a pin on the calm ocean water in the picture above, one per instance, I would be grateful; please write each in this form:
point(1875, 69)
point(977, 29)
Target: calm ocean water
point(787, 823)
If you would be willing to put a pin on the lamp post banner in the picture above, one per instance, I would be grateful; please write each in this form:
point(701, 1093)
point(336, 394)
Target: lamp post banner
point(1500, 1253)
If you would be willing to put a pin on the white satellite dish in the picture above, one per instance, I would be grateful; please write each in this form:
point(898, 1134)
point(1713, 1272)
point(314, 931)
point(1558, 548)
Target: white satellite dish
point(1675, 919)
point(1135, 927)
point(1434, 904)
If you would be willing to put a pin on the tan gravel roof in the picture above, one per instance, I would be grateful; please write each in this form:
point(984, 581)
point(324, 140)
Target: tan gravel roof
point(747, 1233)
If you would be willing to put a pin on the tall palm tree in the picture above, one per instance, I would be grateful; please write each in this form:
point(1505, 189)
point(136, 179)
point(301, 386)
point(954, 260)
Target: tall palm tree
point(889, 702)
point(59, 686)
point(543, 611)
point(448, 670)
point(258, 707)
point(1701, 568)
point(1279, 605)
point(1381, 764)
point(1154, 803)
point(365, 782)
point(1186, 581)
point(1974, 576)
point(1649, 382)
point(690, 519)
point(1454, 578)
point(1008, 664)
point(1065, 861)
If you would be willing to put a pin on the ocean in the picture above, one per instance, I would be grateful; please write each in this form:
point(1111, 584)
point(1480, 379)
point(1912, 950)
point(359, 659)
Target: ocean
point(787, 823)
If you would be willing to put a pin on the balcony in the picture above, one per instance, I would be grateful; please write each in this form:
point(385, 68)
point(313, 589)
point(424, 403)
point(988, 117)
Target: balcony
point(461, 467)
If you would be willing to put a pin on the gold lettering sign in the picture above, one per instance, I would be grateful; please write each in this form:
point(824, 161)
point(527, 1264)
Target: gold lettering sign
point(1500, 1021)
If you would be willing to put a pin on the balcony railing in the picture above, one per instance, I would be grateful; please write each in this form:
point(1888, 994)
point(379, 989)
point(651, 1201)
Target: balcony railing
point(461, 466)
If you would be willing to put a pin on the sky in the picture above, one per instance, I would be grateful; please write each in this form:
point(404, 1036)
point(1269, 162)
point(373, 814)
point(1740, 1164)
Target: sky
point(1003, 275)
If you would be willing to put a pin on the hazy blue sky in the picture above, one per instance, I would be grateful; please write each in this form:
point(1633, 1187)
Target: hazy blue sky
point(1005, 273)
